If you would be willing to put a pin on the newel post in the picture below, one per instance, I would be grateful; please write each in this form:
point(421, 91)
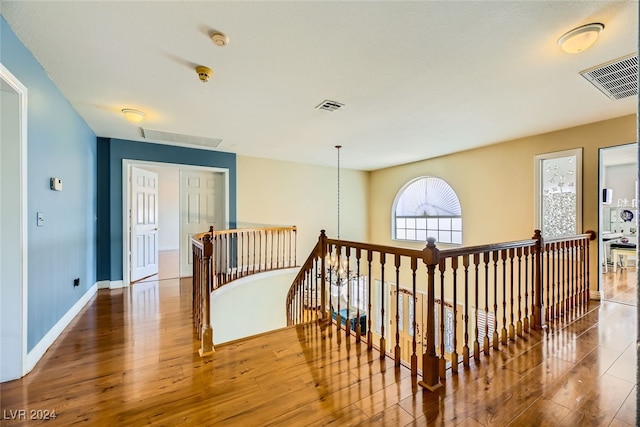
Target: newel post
point(538, 288)
point(430, 379)
point(206, 342)
point(322, 241)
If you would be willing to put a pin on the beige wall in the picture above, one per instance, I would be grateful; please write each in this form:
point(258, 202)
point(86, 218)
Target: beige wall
point(495, 183)
point(285, 193)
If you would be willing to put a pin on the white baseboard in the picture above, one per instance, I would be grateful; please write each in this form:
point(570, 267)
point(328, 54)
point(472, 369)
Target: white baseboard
point(116, 284)
point(104, 284)
point(168, 248)
point(40, 349)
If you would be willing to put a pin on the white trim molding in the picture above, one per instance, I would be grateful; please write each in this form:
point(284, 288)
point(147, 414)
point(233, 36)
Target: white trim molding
point(22, 92)
point(116, 284)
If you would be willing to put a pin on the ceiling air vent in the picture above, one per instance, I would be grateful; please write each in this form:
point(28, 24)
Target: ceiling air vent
point(617, 79)
point(328, 105)
point(180, 139)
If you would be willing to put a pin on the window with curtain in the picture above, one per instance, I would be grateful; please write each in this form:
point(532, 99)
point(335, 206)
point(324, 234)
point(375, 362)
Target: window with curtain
point(427, 207)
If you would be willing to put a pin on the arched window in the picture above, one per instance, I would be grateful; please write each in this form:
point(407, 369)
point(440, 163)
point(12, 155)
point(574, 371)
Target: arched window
point(427, 207)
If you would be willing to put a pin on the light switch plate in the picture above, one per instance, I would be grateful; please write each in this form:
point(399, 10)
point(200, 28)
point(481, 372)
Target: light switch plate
point(40, 217)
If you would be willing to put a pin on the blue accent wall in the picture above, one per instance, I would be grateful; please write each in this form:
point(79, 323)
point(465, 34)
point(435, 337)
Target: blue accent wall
point(111, 153)
point(60, 144)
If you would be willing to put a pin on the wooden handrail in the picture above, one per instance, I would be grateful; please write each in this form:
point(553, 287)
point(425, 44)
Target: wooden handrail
point(462, 304)
point(222, 256)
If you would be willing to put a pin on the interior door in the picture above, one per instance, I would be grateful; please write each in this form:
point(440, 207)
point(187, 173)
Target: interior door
point(201, 201)
point(144, 223)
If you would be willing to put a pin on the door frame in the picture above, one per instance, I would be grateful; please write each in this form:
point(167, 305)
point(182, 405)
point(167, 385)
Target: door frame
point(126, 203)
point(22, 93)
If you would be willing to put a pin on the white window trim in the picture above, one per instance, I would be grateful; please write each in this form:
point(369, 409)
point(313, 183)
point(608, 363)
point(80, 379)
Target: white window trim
point(537, 185)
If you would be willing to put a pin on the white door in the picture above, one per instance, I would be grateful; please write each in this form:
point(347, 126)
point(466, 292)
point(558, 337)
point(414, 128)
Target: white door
point(201, 206)
point(144, 223)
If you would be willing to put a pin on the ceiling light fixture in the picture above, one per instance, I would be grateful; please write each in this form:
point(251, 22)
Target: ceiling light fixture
point(219, 39)
point(204, 73)
point(132, 115)
point(580, 38)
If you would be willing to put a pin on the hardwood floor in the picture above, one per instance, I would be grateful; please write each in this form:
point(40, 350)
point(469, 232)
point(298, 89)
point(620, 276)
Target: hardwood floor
point(621, 286)
point(130, 358)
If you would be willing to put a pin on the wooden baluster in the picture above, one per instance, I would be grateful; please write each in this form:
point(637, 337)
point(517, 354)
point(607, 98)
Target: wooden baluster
point(369, 332)
point(430, 378)
point(358, 297)
point(228, 254)
point(519, 324)
point(414, 356)
point(476, 343)
point(270, 249)
point(525, 322)
point(241, 266)
point(288, 232)
point(195, 282)
point(583, 282)
point(254, 235)
point(314, 289)
point(465, 348)
point(397, 353)
point(496, 257)
point(454, 354)
point(278, 260)
point(486, 258)
point(322, 241)
point(348, 279)
point(442, 361)
point(562, 261)
point(512, 326)
point(549, 268)
point(383, 341)
point(339, 284)
point(537, 293)
point(572, 272)
point(587, 269)
point(503, 332)
point(206, 342)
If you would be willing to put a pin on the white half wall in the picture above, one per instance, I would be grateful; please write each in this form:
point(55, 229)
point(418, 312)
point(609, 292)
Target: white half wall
point(251, 305)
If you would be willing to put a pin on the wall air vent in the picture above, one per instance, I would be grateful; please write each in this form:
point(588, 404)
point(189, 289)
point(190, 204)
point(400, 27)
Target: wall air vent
point(617, 79)
point(328, 105)
point(180, 139)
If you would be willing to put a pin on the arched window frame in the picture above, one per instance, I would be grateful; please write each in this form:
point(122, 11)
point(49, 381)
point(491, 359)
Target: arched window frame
point(444, 228)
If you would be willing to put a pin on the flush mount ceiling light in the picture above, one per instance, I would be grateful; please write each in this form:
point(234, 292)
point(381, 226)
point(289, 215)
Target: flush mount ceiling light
point(204, 73)
point(580, 38)
point(132, 115)
point(219, 39)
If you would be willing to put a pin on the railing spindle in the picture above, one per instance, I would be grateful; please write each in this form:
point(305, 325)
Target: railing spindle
point(397, 353)
point(476, 343)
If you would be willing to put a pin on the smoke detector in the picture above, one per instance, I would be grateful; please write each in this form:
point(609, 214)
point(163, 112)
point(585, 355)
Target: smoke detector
point(204, 73)
point(219, 39)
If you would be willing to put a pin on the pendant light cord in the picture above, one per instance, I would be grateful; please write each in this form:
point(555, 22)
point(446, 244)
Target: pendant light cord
point(338, 147)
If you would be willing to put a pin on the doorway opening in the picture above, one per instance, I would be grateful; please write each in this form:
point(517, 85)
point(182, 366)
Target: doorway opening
point(618, 213)
point(189, 200)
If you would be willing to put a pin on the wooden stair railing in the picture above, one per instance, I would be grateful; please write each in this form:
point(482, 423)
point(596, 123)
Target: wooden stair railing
point(467, 302)
point(222, 256)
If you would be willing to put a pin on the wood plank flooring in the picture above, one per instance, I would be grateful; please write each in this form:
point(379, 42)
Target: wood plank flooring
point(621, 286)
point(130, 358)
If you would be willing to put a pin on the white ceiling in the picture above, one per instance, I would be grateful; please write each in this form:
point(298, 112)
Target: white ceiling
point(419, 79)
